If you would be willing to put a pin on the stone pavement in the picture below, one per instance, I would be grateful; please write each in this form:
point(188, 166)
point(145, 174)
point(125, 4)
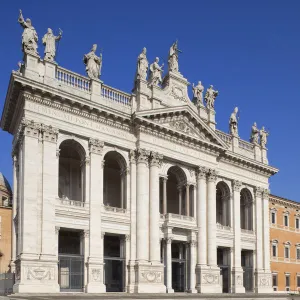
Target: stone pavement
point(118, 296)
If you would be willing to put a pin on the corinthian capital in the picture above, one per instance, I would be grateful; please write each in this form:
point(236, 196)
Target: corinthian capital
point(156, 159)
point(96, 146)
point(237, 185)
point(202, 172)
point(266, 193)
point(49, 133)
point(258, 192)
point(30, 128)
point(212, 175)
point(142, 156)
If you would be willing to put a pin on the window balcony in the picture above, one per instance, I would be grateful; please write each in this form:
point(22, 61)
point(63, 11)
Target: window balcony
point(74, 203)
point(179, 221)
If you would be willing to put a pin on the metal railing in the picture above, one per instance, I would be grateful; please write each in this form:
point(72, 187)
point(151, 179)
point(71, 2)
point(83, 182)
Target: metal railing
point(72, 79)
point(115, 95)
point(66, 201)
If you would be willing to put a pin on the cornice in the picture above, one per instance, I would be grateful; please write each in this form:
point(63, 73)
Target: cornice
point(284, 202)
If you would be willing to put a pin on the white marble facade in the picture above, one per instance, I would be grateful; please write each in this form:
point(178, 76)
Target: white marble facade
point(179, 184)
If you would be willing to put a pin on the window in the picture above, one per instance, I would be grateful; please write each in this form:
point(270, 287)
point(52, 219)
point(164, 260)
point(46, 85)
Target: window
point(287, 252)
point(274, 250)
point(286, 220)
point(297, 223)
point(273, 217)
point(298, 280)
point(287, 282)
point(298, 252)
point(274, 280)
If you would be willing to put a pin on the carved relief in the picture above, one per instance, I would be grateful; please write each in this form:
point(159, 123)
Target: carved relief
point(154, 277)
point(178, 94)
point(258, 192)
point(239, 280)
point(30, 128)
point(96, 146)
point(210, 278)
point(39, 273)
point(96, 275)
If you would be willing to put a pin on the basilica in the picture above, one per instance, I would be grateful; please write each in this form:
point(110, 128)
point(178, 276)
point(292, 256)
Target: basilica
point(131, 192)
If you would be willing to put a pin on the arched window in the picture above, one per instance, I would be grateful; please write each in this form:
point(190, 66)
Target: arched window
point(223, 204)
point(115, 178)
point(246, 210)
point(71, 171)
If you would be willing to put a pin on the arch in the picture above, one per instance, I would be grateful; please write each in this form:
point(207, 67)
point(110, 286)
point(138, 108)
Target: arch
point(123, 155)
point(246, 209)
point(223, 204)
point(71, 170)
point(63, 137)
point(179, 173)
point(166, 167)
point(115, 179)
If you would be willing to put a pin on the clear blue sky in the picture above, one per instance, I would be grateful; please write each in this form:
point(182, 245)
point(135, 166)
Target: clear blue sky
point(249, 50)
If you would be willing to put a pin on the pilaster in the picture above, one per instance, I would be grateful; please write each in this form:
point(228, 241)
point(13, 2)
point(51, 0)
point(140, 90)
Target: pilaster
point(192, 247)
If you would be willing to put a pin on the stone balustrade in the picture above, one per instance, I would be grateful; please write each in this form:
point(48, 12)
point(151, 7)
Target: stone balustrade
point(246, 146)
point(66, 201)
point(115, 209)
point(223, 227)
point(227, 138)
point(115, 95)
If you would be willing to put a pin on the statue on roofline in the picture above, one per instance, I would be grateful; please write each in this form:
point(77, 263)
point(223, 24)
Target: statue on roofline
point(93, 63)
point(263, 137)
point(142, 66)
point(29, 36)
point(254, 134)
point(155, 77)
point(173, 57)
point(233, 123)
point(49, 41)
point(210, 97)
point(198, 93)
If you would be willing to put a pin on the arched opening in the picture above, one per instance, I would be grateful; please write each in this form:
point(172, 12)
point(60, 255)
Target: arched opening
point(115, 178)
point(176, 192)
point(71, 171)
point(223, 204)
point(246, 209)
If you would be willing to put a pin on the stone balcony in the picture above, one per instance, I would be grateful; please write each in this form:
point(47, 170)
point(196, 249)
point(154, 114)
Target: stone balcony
point(178, 221)
point(116, 219)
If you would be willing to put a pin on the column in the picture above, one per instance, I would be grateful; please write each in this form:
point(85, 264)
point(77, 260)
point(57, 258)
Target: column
point(259, 224)
point(237, 284)
point(180, 199)
point(85, 242)
point(211, 219)
point(133, 246)
point(127, 257)
point(142, 207)
point(95, 260)
point(155, 162)
point(165, 194)
point(14, 214)
point(201, 216)
point(123, 172)
point(193, 243)
point(187, 196)
point(169, 264)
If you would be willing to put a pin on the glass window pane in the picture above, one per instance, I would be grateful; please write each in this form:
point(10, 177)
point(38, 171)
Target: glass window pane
point(298, 253)
point(274, 250)
point(286, 221)
point(297, 223)
point(298, 280)
point(274, 277)
point(286, 251)
point(273, 218)
point(287, 280)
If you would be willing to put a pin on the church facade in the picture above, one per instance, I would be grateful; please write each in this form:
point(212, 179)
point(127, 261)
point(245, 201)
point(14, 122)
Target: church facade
point(136, 193)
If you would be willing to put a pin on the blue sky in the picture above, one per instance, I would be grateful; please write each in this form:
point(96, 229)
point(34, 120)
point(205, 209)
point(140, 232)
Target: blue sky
point(249, 51)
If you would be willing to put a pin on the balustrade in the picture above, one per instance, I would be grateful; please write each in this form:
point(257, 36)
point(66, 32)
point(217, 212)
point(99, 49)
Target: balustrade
point(115, 95)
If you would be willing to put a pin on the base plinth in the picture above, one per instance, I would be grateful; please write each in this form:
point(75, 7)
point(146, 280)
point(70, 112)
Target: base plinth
point(208, 279)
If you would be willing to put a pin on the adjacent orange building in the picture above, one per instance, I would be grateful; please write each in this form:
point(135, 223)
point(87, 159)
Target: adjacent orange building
point(285, 244)
point(5, 224)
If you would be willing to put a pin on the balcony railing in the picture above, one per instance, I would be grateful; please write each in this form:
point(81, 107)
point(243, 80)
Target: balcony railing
point(223, 227)
point(66, 201)
point(227, 138)
point(246, 145)
point(115, 209)
point(179, 217)
point(72, 79)
point(247, 231)
point(115, 95)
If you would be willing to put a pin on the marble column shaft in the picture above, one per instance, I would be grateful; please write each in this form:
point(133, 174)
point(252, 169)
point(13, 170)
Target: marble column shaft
point(259, 229)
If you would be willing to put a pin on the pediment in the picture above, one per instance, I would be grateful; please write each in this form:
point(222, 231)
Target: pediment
point(181, 120)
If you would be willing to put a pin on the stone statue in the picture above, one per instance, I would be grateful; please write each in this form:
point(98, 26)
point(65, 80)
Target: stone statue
point(263, 137)
point(233, 123)
point(198, 93)
point(142, 66)
point(29, 36)
point(254, 134)
point(173, 57)
point(156, 71)
point(210, 97)
point(49, 40)
point(93, 63)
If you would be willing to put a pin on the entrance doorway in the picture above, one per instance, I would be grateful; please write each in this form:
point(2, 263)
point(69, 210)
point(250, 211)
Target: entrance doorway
point(247, 265)
point(71, 261)
point(223, 260)
point(114, 259)
point(179, 270)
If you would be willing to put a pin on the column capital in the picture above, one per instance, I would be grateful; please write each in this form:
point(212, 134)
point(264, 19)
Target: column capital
point(132, 156)
point(127, 237)
point(30, 128)
point(169, 240)
point(202, 172)
point(193, 243)
point(57, 229)
point(258, 192)
point(85, 233)
point(156, 159)
point(142, 156)
point(266, 193)
point(237, 185)
point(50, 133)
point(96, 146)
point(125, 171)
point(86, 161)
point(164, 177)
point(212, 175)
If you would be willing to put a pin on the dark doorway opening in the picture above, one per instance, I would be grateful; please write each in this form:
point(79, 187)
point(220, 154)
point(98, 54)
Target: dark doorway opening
point(114, 258)
point(179, 266)
point(223, 260)
point(71, 261)
point(247, 265)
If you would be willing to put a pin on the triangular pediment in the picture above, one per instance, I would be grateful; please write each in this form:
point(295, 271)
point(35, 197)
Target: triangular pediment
point(181, 120)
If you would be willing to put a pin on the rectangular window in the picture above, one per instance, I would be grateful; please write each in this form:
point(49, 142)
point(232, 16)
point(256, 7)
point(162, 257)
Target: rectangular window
point(287, 281)
point(298, 253)
point(274, 280)
point(297, 223)
point(286, 221)
point(298, 280)
point(273, 216)
point(274, 250)
point(286, 252)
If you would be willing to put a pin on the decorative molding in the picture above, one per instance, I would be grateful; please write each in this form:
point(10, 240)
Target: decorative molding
point(202, 172)
point(96, 146)
point(50, 133)
point(212, 175)
point(258, 192)
point(156, 159)
point(266, 194)
point(169, 240)
point(153, 277)
point(39, 273)
point(142, 156)
point(237, 185)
